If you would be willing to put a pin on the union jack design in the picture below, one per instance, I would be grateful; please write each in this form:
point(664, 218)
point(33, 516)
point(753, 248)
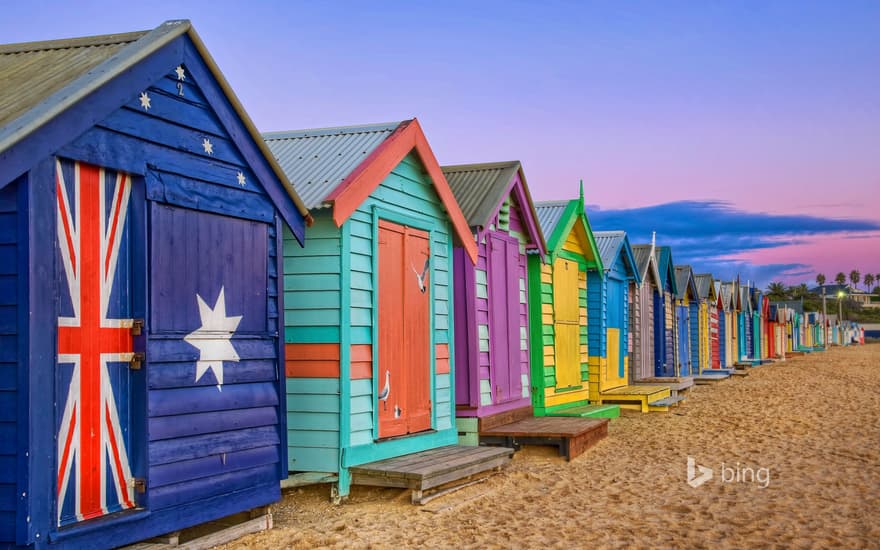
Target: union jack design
point(94, 476)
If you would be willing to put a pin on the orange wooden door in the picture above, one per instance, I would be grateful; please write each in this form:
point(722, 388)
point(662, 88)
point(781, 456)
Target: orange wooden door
point(404, 399)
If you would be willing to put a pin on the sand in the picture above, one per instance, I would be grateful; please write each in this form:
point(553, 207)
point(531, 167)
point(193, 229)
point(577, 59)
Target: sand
point(812, 421)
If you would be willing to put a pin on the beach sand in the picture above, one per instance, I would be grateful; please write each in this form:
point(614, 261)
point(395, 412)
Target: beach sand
point(813, 421)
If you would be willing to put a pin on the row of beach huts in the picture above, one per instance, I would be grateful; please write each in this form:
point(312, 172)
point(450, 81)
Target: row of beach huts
point(192, 312)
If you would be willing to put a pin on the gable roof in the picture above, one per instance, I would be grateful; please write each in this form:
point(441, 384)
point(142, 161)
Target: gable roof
point(663, 257)
point(705, 287)
point(346, 164)
point(684, 280)
point(319, 160)
point(646, 263)
point(481, 189)
point(557, 219)
point(41, 80)
point(612, 244)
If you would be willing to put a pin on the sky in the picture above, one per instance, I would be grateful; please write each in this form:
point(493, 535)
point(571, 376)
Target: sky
point(745, 134)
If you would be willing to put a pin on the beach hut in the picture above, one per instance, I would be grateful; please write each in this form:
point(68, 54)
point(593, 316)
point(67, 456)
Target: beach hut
point(646, 294)
point(608, 312)
point(491, 296)
point(776, 331)
point(664, 316)
point(369, 325)
point(140, 230)
point(687, 327)
point(710, 331)
point(558, 321)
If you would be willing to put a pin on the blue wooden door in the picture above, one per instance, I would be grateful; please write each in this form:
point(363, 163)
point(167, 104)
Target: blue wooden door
point(97, 281)
point(684, 355)
point(504, 353)
point(662, 367)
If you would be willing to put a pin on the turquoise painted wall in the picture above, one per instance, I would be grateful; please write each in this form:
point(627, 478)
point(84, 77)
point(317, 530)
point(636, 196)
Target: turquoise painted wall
point(597, 324)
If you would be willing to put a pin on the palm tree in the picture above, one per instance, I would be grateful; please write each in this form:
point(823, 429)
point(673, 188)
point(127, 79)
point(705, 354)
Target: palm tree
point(840, 278)
point(776, 290)
point(855, 277)
point(869, 281)
point(820, 279)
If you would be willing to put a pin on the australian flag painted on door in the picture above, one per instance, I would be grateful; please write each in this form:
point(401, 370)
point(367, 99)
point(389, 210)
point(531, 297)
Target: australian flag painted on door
point(95, 343)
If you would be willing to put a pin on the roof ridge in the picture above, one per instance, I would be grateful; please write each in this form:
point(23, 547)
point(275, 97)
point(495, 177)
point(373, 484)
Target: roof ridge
point(334, 130)
point(548, 204)
point(76, 42)
point(480, 166)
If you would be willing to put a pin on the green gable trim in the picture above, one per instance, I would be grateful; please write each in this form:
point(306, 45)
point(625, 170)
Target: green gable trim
point(573, 213)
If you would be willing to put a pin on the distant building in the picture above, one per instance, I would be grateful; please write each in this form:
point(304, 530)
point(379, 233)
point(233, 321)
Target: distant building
point(860, 297)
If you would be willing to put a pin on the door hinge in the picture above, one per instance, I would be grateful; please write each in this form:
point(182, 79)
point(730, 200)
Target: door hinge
point(138, 484)
point(137, 327)
point(137, 361)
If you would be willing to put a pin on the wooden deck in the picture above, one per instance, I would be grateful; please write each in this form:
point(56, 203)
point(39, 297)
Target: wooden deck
point(640, 395)
point(571, 435)
point(712, 376)
point(451, 467)
point(589, 411)
point(211, 534)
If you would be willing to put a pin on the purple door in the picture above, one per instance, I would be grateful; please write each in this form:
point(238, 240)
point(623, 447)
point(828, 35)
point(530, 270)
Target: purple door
point(504, 352)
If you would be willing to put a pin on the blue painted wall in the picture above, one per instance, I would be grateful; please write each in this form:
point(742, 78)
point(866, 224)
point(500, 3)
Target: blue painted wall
point(9, 287)
point(694, 308)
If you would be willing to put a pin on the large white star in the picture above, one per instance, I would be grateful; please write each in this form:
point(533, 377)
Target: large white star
point(212, 338)
point(145, 101)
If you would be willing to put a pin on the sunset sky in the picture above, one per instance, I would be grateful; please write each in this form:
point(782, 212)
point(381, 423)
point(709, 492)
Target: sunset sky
point(746, 134)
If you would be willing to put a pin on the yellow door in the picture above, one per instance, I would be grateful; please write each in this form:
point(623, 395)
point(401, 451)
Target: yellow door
point(613, 377)
point(565, 323)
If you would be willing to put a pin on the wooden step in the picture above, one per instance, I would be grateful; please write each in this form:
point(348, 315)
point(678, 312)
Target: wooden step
point(588, 411)
point(675, 383)
point(211, 534)
point(506, 417)
point(453, 465)
point(664, 405)
point(640, 394)
point(570, 435)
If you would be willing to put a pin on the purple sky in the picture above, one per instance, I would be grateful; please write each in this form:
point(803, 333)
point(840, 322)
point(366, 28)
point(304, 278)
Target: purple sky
point(760, 107)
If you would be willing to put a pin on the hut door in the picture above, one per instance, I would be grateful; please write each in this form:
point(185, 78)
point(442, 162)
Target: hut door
point(615, 373)
point(684, 354)
point(566, 323)
point(404, 398)
point(97, 304)
point(504, 353)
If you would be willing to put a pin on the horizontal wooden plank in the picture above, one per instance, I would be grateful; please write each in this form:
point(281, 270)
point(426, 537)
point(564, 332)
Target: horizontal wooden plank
point(313, 438)
point(186, 448)
point(182, 374)
point(191, 491)
point(7, 469)
point(171, 349)
point(317, 421)
point(8, 445)
point(8, 405)
point(169, 427)
point(178, 401)
point(209, 466)
point(7, 526)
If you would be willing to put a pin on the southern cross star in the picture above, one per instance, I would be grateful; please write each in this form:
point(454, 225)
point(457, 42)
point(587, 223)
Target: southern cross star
point(213, 338)
point(145, 101)
point(181, 74)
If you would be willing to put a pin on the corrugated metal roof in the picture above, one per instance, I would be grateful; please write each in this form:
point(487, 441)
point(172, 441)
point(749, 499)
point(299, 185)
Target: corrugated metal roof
point(704, 283)
point(642, 254)
point(479, 188)
point(30, 72)
point(549, 214)
point(316, 161)
point(608, 243)
point(683, 278)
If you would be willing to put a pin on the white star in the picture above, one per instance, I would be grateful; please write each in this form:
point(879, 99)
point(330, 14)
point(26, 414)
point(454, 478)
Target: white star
point(145, 101)
point(241, 179)
point(208, 146)
point(212, 338)
point(181, 74)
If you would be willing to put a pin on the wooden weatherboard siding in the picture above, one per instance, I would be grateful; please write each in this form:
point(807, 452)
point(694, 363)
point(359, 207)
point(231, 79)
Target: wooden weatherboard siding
point(332, 316)
point(12, 224)
point(557, 299)
point(197, 229)
point(491, 301)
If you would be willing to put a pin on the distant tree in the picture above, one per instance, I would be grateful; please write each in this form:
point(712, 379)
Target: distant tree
point(869, 281)
point(840, 278)
point(803, 290)
point(855, 277)
point(820, 279)
point(777, 291)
